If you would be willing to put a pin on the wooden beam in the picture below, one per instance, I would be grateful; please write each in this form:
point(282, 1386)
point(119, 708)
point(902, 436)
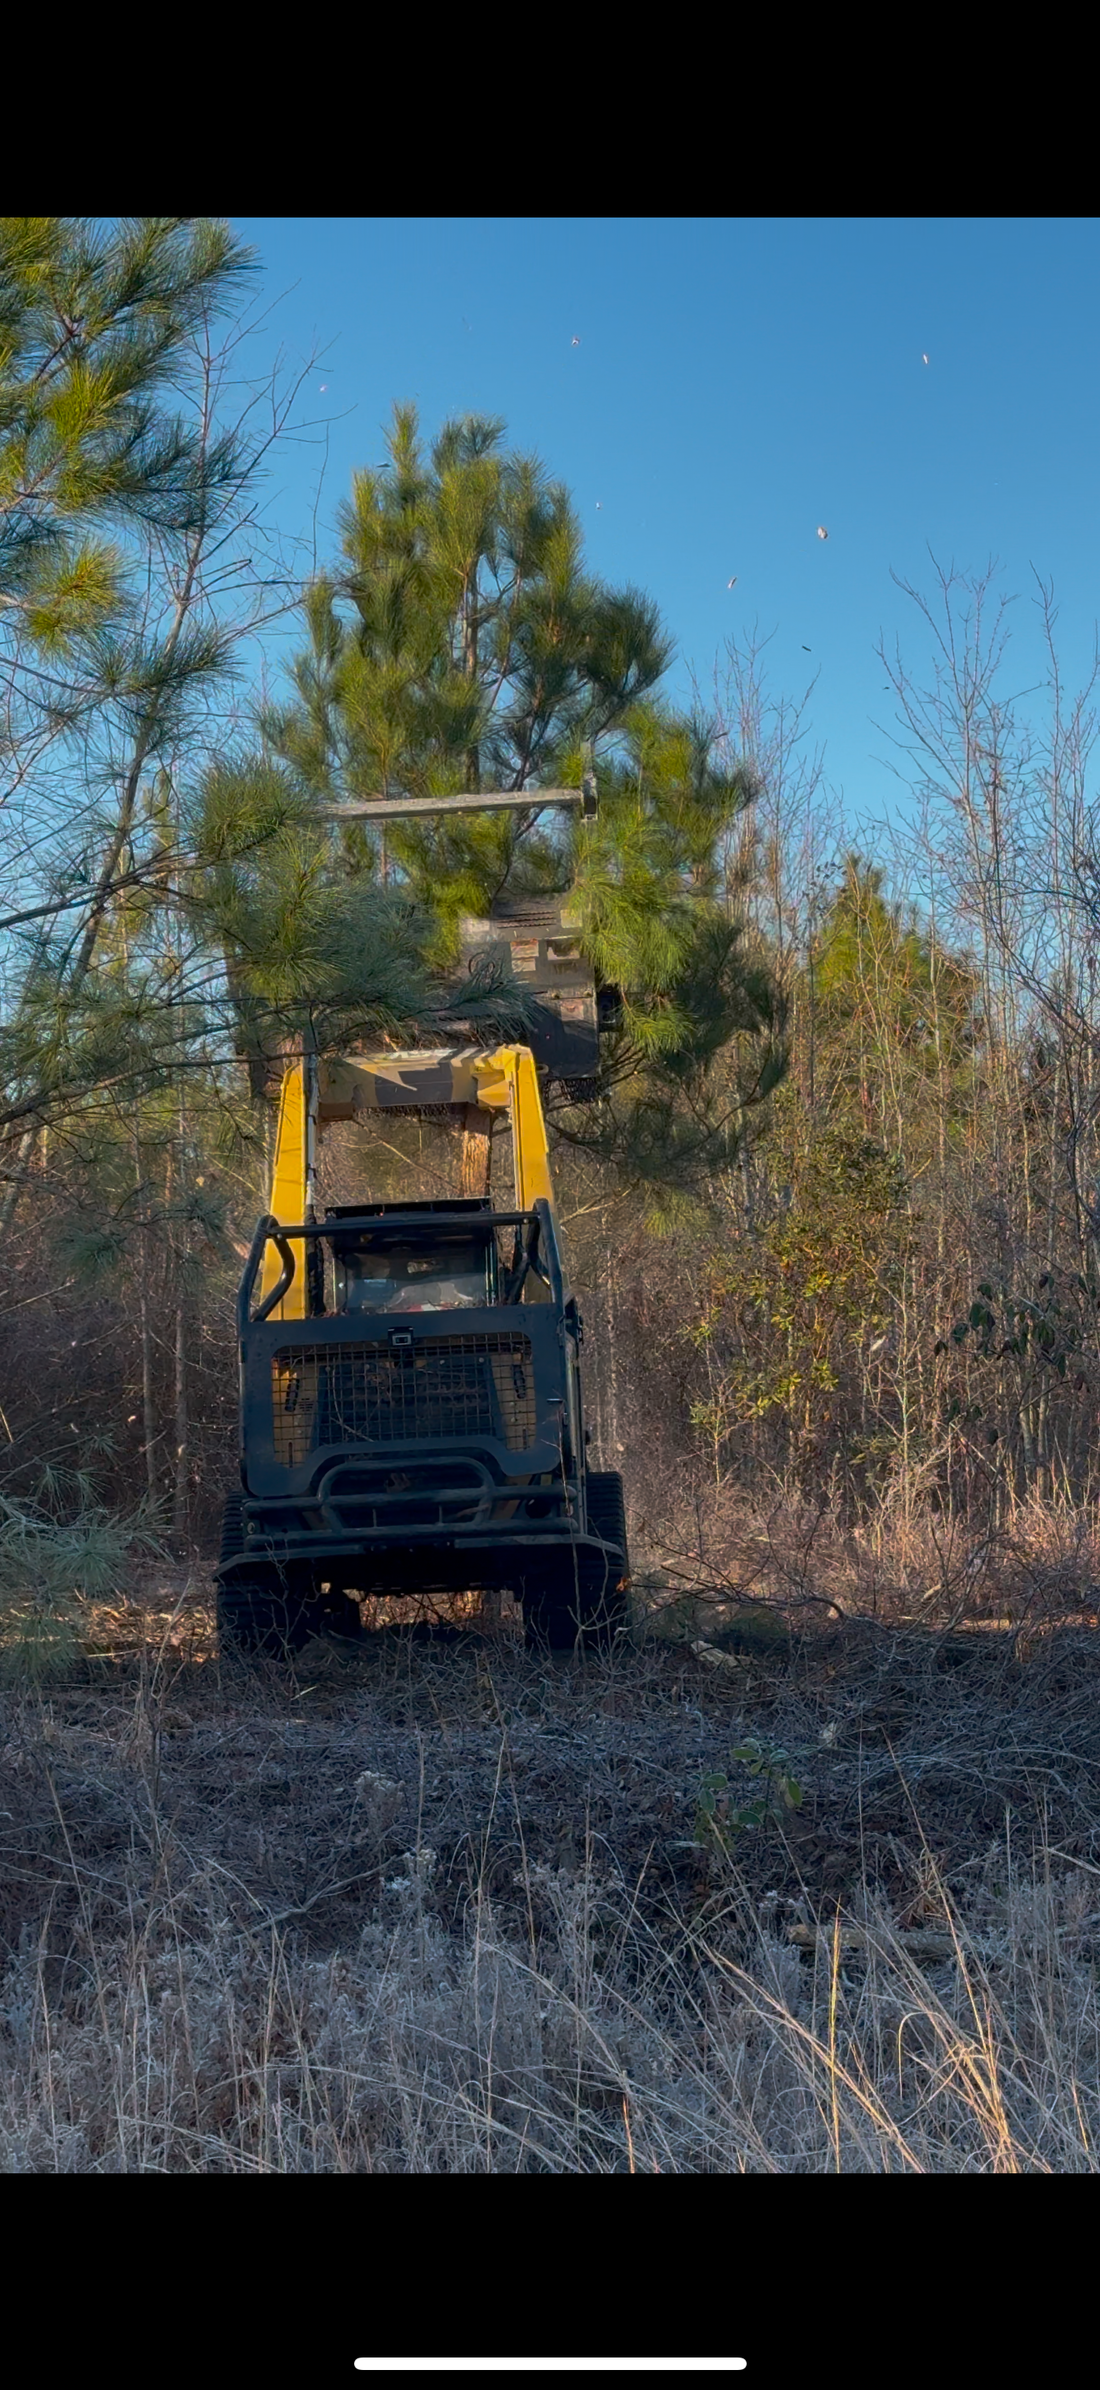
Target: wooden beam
point(407, 809)
point(477, 1129)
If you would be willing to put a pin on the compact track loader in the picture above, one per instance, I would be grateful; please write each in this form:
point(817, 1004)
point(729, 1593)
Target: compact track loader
point(411, 1408)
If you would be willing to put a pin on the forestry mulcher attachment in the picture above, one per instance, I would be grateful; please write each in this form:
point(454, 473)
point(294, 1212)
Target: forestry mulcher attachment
point(411, 1411)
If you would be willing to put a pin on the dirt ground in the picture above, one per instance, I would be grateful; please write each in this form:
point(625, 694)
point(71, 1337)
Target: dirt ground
point(300, 1795)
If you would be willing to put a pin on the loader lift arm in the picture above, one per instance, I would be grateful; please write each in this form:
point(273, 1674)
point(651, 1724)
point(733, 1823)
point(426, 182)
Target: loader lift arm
point(503, 1080)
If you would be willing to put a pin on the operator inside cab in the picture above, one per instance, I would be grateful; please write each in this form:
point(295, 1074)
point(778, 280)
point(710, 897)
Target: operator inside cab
point(449, 1274)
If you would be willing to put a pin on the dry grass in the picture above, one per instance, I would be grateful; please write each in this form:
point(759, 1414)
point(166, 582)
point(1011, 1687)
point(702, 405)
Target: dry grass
point(1039, 1567)
point(443, 1910)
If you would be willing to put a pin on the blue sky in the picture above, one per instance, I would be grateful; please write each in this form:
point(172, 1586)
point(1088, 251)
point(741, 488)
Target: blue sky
point(713, 389)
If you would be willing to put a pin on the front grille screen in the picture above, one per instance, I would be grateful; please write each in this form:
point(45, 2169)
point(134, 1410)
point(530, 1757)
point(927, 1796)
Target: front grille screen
point(451, 1388)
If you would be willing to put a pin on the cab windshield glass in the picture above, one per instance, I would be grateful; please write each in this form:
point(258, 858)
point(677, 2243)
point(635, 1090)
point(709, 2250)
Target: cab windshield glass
point(445, 1274)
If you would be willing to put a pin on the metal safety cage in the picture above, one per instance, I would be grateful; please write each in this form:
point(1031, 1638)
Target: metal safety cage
point(493, 1385)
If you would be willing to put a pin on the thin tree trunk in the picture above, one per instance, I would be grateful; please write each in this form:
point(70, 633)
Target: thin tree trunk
point(18, 1178)
point(183, 1456)
point(469, 664)
point(612, 1351)
point(147, 1402)
point(122, 832)
point(1056, 1098)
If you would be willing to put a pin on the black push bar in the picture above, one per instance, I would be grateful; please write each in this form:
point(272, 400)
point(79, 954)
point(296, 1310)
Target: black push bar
point(278, 1232)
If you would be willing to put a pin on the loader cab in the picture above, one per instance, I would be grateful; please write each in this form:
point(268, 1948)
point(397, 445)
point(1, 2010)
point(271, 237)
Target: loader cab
point(446, 1263)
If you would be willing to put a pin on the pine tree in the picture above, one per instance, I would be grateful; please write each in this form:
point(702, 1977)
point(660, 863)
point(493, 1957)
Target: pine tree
point(463, 645)
point(696, 1034)
point(94, 324)
point(896, 1015)
point(117, 478)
